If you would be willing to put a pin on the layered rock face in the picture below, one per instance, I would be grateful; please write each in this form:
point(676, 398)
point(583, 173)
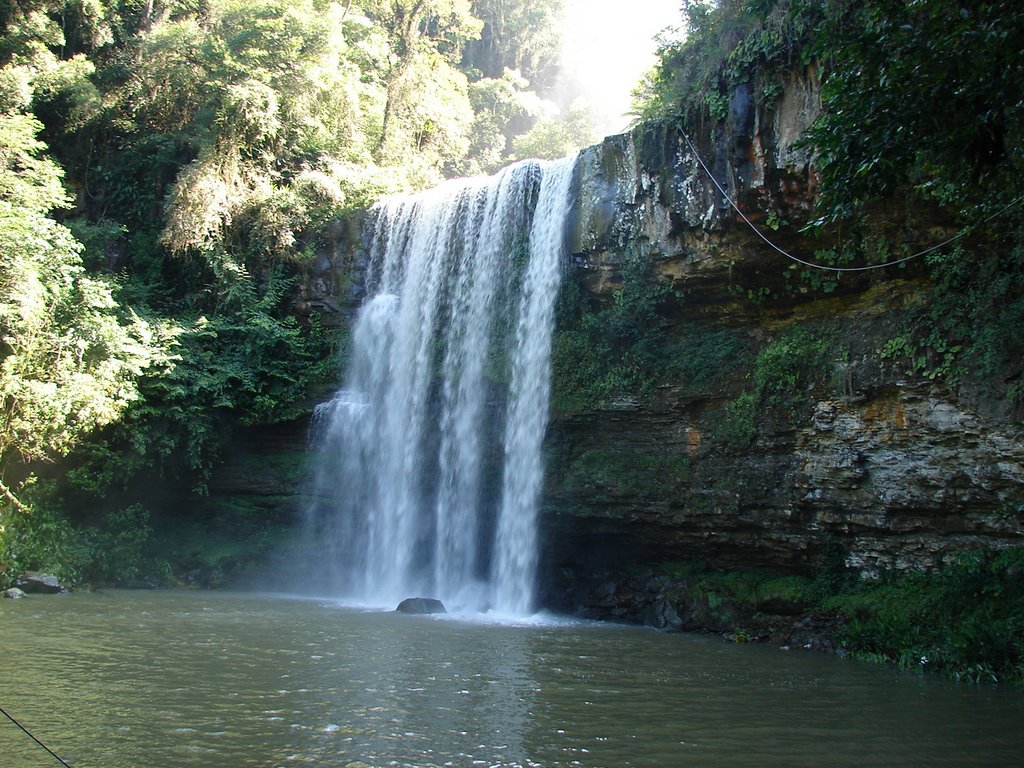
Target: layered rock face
point(754, 466)
point(893, 473)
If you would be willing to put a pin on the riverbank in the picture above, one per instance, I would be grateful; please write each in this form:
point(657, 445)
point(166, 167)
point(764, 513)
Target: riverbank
point(965, 619)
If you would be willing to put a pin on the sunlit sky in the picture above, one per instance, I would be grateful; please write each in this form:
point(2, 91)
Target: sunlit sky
point(607, 46)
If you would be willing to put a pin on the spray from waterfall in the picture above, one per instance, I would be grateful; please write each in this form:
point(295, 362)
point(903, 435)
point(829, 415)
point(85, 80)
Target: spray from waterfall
point(429, 460)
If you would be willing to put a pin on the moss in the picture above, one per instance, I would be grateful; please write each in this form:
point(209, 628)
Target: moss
point(601, 352)
point(633, 346)
point(281, 468)
point(208, 552)
point(627, 473)
point(785, 374)
point(756, 590)
point(701, 359)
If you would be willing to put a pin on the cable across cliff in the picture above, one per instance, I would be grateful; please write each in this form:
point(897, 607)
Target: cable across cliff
point(824, 267)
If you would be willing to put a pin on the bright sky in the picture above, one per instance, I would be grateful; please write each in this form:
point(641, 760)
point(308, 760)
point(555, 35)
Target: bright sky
point(607, 46)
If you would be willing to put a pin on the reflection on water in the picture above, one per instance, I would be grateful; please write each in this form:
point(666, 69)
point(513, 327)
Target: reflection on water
point(126, 680)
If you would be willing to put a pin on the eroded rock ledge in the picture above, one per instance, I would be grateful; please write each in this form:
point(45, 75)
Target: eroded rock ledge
point(894, 472)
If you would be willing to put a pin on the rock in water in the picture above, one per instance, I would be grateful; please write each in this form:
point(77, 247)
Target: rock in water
point(14, 593)
point(39, 583)
point(421, 605)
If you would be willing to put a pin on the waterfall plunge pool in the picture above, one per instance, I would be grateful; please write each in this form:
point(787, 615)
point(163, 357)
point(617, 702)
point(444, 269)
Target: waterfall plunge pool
point(174, 679)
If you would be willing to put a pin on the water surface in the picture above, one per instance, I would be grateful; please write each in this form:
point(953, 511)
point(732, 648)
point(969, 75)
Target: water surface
point(133, 680)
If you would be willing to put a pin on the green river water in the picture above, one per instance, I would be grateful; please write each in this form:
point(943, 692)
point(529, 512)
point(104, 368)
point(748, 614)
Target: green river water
point(162, 680)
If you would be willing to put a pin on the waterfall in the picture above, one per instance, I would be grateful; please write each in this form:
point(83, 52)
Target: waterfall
point(429, 463)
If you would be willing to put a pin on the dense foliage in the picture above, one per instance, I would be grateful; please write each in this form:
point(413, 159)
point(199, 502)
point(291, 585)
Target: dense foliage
point(165, 166)
point(966, 619)
point(521, 35)
point(925, 94)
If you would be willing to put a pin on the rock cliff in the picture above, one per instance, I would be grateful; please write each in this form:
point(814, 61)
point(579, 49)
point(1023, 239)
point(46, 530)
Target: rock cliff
point(894, 472)
point(755, 414)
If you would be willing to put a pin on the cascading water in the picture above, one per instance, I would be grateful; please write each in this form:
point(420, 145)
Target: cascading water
point(429, 458)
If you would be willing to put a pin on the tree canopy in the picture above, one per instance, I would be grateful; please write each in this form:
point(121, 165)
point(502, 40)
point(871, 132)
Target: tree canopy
point(70, 357)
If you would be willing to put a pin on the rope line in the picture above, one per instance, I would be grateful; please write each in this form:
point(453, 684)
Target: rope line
point(28, 733)
point(963, 232)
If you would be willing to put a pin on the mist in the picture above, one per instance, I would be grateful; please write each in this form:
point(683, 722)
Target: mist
point(607, 46)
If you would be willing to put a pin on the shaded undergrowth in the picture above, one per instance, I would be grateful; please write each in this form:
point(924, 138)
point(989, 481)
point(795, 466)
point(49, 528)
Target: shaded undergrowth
point(965, 619)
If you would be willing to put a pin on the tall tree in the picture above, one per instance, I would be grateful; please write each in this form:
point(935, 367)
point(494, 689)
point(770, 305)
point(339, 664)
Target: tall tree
point(426, 103)
point(520, 35)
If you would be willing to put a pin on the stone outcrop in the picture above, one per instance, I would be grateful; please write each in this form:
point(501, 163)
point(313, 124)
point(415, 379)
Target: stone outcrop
point(896, 473)
point(32, 582)
point(331, 284)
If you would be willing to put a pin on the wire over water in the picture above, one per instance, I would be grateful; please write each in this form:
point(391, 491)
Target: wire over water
point(28, 733)
point(812, 265)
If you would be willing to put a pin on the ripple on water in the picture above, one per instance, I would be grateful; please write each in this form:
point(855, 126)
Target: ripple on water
point(458, 691)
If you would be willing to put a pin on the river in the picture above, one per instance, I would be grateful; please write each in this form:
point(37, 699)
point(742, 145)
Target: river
point(172, 679)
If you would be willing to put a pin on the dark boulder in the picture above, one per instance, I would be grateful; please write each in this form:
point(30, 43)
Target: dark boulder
point(662, 615)
point(39, 583)
point(421, 605)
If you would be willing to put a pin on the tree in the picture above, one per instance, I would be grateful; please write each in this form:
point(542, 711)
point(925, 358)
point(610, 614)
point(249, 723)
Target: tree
point(268, 94)
point(502, 109)
point(426, 105)
point(297, 102)
point(520, 35)
point(926, 94)
point(69, 362)
point(557, 136)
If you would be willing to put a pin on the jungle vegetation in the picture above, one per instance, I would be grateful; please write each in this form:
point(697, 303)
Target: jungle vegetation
point(165, 166)
point(922, 114)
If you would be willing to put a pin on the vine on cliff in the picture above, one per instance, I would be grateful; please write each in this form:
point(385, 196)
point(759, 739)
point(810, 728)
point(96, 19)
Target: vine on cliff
point(923, 102)
point(803, 358)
